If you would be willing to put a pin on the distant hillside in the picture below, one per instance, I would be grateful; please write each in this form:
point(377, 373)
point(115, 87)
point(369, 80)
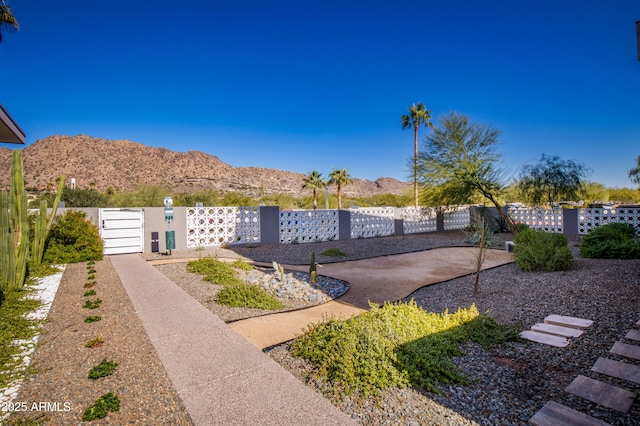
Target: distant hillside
point(123, 165)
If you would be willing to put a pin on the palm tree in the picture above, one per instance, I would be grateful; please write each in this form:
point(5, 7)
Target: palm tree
point(634, 174)
point(418, 114)
point(314, 181)
point(7, 20)
point(340, 177)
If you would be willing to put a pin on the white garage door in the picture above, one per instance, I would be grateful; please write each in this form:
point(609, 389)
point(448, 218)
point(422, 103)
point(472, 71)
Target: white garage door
point(122, 230)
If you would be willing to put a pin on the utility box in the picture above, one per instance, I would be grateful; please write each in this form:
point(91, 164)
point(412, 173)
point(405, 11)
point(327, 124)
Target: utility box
point(155, 242)
point(170, 239)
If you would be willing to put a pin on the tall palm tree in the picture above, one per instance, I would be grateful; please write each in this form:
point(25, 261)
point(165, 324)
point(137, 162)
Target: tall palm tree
point(7, 20)
point(418, 115)
point(340, 177)
point(634, 174)
point(314, 181)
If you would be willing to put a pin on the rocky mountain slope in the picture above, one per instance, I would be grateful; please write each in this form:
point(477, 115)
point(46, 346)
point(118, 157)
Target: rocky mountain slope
point(123, 165)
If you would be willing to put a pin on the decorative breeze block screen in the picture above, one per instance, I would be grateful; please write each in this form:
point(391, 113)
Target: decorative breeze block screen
point(539, 218)
point(591, 218)
point(459, 219)
point(306, 226)
point(215, 226)
point(421, 219)
point(372, 222)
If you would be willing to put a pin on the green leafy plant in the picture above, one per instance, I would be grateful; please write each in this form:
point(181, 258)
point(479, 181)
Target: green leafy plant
point(91, 262)
point(94, 343)
point(73, 239)
point(104, 369)
point(89, 293)
point(92, 318)
point(91, 271)
point(103, 405)
point(14, 324)
point(215, 271)
point(90, 284)
point(242, 265)
point(92, 304)
point(611, 241)
point(397, 344)
point(248, 296)
point(542, 251)
point(334, 252)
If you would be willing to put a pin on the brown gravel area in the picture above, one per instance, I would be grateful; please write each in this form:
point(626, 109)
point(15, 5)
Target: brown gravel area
point(147, 396)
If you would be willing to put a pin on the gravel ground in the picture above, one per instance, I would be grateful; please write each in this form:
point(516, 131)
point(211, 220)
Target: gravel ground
point(512, 383)
point(62, 361)
point(509, 383)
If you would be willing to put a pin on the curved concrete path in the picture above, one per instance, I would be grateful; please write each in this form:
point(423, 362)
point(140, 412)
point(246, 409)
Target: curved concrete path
point(379, 280)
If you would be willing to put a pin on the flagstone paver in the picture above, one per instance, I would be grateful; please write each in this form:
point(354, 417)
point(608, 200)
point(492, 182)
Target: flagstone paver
point(556, 330)
point(617, 369)
point(626, 350)
point(547, 339)
point(554, 414)
point(565, 321)
point(633, 335)
point(601, 393)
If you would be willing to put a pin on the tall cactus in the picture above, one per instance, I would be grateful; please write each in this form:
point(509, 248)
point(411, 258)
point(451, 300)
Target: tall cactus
point(15, 235)
point(43, 224)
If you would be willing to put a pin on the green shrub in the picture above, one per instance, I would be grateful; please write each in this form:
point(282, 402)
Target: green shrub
point(247, 296)
point(92, 304)
point(104, 369)
point(334, 252)
point(242, 265)
point(611, 241)
point(521, 227)
point(92, 318)
point(398, 344)
point(542, 251)
point(73, 239)
point(99, 410)
point(215, 271)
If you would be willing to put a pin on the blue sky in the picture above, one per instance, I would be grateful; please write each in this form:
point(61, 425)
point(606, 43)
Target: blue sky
point(315, 84)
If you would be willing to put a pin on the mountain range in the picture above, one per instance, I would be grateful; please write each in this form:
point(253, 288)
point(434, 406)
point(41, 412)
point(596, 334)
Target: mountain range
point(123, 165)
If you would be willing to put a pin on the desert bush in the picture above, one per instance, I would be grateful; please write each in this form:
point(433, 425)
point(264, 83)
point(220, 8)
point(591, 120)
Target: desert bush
point(611, 241)
point(73, 239)
point(248, 296)
point(397, 344)
point(236, 293)
point(542, 251)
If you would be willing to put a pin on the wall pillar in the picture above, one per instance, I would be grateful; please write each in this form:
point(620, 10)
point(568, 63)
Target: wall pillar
point(344, 225)
point(269, 225)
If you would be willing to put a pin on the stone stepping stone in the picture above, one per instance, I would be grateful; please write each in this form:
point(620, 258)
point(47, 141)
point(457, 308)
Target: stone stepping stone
point(554, 414)
point(626, 350)
point(547, 339)
point(568, 321)
point(601, 393)
point(556, 330)
point(617, 369)
point(633, 335)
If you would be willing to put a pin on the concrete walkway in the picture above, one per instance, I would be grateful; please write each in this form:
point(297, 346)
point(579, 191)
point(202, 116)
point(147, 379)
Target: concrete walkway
point(221, 377)
point(379, 280)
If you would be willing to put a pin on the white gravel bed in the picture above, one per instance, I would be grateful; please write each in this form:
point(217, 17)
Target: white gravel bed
point(44, 290)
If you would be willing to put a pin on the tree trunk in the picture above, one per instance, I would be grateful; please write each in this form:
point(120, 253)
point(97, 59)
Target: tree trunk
point(415, 165)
